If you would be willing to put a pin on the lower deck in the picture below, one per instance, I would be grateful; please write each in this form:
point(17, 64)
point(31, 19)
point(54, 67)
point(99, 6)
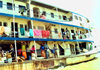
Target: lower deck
point(41, 64)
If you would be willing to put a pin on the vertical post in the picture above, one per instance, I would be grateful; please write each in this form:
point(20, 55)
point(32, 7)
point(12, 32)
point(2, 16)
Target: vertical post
point(35, 48)
point(78, 46)
point(14, 30)
point(57, 11)
point(32, 27)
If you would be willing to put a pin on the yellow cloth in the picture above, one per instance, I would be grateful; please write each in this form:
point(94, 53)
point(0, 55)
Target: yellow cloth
point(23, 48)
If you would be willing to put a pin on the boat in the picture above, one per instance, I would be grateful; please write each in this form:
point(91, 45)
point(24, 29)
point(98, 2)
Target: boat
point(37, 36)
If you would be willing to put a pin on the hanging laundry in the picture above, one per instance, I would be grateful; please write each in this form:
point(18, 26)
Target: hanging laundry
point(22, 31)
point(45, 34)
point(31, 32)
point(37, 32)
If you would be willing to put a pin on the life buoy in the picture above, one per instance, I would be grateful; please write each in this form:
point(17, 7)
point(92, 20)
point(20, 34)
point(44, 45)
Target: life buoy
point(1, 30)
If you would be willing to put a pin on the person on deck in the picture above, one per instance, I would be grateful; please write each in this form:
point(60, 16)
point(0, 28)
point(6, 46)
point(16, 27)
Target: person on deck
point(12, 51)
point(46, 50)
point(55, 51)
point(33, 52)
point(42, 16)
point(24, 50)
point(42, 51)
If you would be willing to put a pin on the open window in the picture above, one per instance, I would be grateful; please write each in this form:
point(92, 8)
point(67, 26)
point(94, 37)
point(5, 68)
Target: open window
point(1, 5)
point(10, 6)
point(52, 15)
point(64, 18)
point(61, 50)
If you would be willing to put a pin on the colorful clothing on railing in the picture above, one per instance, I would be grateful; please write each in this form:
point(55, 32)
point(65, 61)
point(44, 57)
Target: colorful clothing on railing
point(37, 32)
point(31, 32)
point(45, 34)
point(22, 31)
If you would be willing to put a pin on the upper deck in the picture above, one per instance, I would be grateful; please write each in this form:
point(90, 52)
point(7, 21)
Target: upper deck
point(33, 11)
point(57, 20)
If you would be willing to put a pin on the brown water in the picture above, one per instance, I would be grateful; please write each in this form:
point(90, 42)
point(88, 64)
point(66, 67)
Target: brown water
point(90, 65)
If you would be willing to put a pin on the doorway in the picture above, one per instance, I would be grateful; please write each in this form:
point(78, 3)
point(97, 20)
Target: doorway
point(61, 50)
point(16, 29)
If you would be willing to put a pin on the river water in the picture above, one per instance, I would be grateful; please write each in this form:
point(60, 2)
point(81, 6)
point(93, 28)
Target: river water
point(89, 65)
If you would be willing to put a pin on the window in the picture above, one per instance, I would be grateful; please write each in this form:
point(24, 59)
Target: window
point(5, 24)
point(40, 27)
point(0, 4)
point(22, 8)
point(64, 18)
point(55, 30)
point(52, 15)
point(72, 31)
point(9, 6)
point(44, 12)
point(0, 23)
point(26, 28)
point(76, 17)
point(80, 18)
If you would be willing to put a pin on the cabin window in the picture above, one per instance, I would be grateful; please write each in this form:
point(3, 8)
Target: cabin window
point(9, 6)
point(0, 4)
point(0, 23)
point(5, 24)
point(80, 18)
point(40, 27)
point(44, 12)
point(72, 31)
point(52, 15)
point(22, 8)
point(26, 28)
point(76, 17)
point(21, 26)
point(55, 30)
point(59, 16)
point(64, 18)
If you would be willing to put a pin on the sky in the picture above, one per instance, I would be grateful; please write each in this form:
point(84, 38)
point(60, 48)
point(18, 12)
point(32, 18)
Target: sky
point(87, 8)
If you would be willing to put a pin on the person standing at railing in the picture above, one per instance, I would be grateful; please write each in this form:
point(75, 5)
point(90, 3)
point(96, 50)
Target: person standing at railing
point(42, 16)
point(12, 51)
point(42, 51)
point(46, 50)
point(24, 50)
point(55, 51)
point(33, 52)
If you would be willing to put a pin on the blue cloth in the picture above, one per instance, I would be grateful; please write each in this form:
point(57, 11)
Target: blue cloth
point(53, 51)
point(22, 31)
point(42, 48)
point(31, 32)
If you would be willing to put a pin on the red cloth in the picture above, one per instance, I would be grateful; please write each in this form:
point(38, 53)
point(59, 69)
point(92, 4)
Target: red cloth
point(43, 17)
point(45, 34)
point(19, 51)
point(33, 49)
point(37, 32)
